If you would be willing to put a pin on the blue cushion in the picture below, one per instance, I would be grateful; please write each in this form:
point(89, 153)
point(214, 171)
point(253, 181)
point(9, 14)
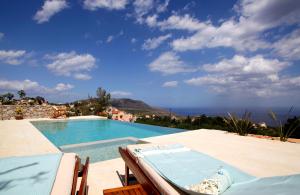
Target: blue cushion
point(28, 175)
point(279, 185)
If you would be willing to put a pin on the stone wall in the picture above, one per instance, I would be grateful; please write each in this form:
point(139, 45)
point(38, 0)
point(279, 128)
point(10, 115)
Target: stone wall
point(8, 112)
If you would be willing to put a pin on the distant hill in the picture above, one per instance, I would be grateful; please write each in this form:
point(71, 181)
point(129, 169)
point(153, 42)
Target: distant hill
point(129, 105)
point(137, 107)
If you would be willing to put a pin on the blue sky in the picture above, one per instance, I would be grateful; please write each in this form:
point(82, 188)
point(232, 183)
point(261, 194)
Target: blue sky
point(170, 53)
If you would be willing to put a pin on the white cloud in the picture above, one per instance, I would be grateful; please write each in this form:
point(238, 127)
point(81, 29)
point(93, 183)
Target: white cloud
point(269, 13)
point(18, 85)
point(163, 7)
point(238, 35)
point(71, 64)
point(81, 76)
point(32, 86)
point(241, 33)
point(106, 4)
point(120, 93)
point(242, 65)
point(1, 35)
point(256, 87)
point(176, 22)
point(209, 80)
point(151, 20)
point(12, 57)
point(49, 9)
point(169, 63)
point(289, 46)
point(170, 84)
point(110, 38)
point(143, 6)
point(63, 87)
point(153, 43)
point(133, 40)
point(256, 76)
point(189, 5)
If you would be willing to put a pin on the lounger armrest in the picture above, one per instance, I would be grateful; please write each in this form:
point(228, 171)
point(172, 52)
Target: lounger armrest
point(138, 172)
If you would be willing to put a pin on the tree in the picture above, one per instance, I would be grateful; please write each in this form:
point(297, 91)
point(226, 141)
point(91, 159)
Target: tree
point(1, 98)
point(102, 100)
point(40, 99)
point(22, 94)
point(8, 96)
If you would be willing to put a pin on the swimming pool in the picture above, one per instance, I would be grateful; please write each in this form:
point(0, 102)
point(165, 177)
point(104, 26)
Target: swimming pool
point(79, 131)
point(100, 150)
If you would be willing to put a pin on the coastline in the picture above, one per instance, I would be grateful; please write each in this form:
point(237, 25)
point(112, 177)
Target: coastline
point(259, 114)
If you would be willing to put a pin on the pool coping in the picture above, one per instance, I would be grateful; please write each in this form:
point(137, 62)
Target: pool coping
point(89, 117)
point(17, 137)
point(100, 142)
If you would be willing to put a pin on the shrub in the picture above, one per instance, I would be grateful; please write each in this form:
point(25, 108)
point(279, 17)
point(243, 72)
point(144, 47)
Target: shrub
point(284, 130)
point(241, 126)
point(19, 111)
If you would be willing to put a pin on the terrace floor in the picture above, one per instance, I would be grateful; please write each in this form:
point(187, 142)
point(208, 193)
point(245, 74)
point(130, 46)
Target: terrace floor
point(259, 157)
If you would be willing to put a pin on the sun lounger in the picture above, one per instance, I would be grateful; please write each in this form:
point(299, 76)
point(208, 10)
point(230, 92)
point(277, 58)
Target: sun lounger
point(127, 190)
point(169, 172)
point(83, 189)
point(144, 174)
point(42, 174)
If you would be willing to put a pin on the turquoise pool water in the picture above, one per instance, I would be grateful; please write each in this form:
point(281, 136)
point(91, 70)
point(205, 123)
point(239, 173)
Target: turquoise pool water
point(99, 150)
point(79, 131)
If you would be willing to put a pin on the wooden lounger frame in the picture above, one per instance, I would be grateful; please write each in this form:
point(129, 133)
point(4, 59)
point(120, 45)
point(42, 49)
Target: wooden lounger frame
point(130, 164)
point(83, 189)
point(136, 189)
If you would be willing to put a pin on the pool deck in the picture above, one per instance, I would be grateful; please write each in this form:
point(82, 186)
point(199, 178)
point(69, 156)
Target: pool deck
point(21, 138)
point(259, 157)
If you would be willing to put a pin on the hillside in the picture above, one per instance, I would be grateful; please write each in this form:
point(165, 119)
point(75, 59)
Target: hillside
point(137, 107)
point(126, 104)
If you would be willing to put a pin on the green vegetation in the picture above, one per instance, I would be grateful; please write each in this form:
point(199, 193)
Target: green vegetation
point(7, 98)
point(242, 126)
point(188, 123)
point(18, 113)
point(137, 107)
point(22, 94)
point(102, 100)
point(40, 100)
point(290, 127)
point(285, 130)
point(90, 106)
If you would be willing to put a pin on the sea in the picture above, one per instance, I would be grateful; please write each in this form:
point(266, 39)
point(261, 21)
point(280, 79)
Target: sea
point(258, 114)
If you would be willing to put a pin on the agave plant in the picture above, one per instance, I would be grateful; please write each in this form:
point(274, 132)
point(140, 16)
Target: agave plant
point(284, 131)
point(241, 126)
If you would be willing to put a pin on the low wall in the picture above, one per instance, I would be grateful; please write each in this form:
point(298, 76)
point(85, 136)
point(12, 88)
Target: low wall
point(8, 112)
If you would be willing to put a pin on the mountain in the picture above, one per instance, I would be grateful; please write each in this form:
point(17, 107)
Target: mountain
point(137, 107)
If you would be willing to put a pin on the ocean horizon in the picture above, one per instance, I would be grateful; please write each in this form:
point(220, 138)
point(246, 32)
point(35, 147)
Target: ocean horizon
point(258, 114)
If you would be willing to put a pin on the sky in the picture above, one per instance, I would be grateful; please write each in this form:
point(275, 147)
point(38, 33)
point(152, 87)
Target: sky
point(168, 53)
